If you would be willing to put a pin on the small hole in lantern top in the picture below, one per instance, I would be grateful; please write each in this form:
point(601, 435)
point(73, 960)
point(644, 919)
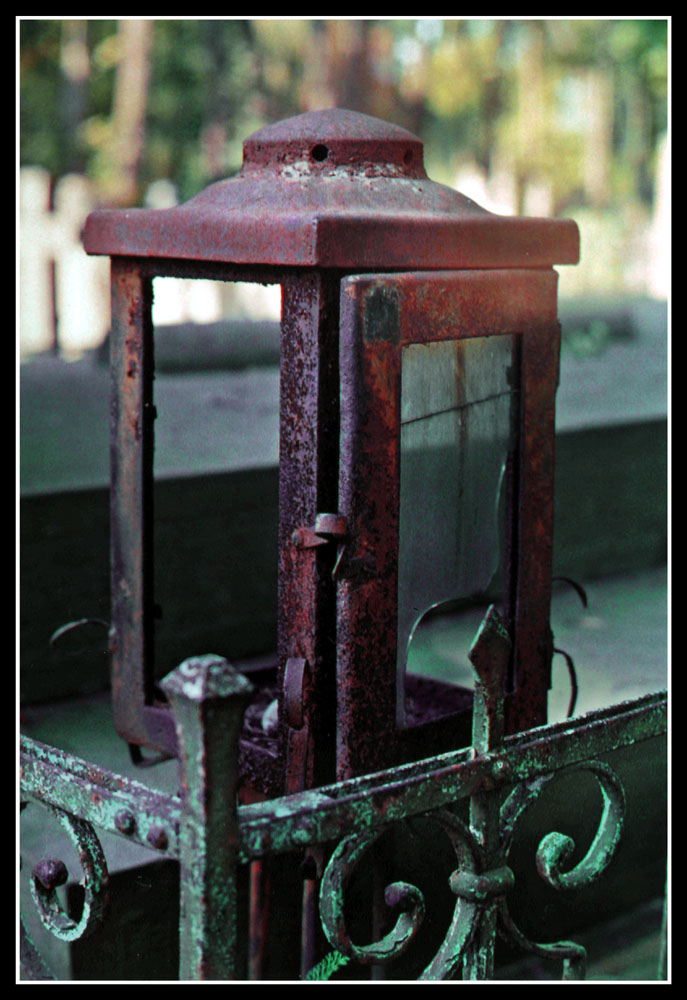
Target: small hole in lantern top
point(319, 152)
point(408, 157)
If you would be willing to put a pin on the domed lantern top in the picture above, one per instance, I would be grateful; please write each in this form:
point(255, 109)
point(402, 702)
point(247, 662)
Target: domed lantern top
point(333, 189)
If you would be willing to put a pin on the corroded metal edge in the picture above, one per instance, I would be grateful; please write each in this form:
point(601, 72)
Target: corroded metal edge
point(316, 815)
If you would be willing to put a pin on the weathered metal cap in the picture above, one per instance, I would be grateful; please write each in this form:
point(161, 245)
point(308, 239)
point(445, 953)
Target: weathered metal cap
point(333, 189)
point(206, 677)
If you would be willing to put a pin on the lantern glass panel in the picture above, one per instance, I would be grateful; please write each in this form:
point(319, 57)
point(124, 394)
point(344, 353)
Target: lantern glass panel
point(458, 413)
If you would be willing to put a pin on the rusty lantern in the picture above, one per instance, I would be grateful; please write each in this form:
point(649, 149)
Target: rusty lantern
point(419, 365)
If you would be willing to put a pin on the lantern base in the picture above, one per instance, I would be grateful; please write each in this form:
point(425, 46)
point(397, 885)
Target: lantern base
point(438, 719)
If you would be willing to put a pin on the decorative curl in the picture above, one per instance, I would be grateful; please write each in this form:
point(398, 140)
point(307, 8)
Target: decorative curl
point(477, 887)
point(335, 880)
point(337, 876)
point(554, 853)
point(48, 875)
point(555, 849)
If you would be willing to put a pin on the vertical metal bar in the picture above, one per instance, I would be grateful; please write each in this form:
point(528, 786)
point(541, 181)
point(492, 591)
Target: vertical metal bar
point(258, 918)
point(131, 465)
point(311, 933)
point(369, 498)
point(309, 918)
point(208, 698)
point(489, 656)
point(523, 302)
point(377, 315)
point(308, 469)
point(308, 484)
point(539, 366)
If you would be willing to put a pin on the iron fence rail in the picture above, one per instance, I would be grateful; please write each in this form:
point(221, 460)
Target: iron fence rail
point(110, 801)
point(351, 815)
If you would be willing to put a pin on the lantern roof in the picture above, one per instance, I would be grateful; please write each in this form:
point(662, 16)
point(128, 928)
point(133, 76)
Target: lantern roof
point(339, 189)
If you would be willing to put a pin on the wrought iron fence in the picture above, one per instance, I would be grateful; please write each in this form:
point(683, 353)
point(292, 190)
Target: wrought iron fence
point(211, 836)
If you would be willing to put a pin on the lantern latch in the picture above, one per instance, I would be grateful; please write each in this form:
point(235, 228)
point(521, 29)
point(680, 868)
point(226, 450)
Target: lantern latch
point(327, 528)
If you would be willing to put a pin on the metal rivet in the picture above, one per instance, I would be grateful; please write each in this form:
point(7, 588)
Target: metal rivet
point(157, 838)
point(125, 821)
point(50, 872)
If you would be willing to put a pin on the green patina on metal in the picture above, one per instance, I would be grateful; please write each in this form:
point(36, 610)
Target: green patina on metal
point(555, 849)
point(111, 802)
point(486, 276)
point(48, 875)
point(373, 800)
point(208, 697)
point(212, 836)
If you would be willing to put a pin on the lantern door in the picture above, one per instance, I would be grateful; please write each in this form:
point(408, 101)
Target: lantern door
point(448, 386)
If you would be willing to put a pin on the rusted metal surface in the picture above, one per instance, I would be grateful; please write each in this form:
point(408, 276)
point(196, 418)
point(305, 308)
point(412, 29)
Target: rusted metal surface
point(379, 316)
point(333, 189)
point(131, 494)
point(532, 551)
point(319, 196)
point(309, 424)
point(412, 789)
point(321, 756)
point(137, 714)
point(482, 878)
point(318, 815)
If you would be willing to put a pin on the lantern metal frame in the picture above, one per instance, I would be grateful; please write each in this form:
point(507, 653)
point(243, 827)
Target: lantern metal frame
point(337, 208)
point(381, 315)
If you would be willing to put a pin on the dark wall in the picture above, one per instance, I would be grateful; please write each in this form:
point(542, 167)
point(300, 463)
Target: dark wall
point(216, 545)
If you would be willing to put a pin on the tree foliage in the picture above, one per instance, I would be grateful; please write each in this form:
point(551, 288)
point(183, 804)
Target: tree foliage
point(578, 103)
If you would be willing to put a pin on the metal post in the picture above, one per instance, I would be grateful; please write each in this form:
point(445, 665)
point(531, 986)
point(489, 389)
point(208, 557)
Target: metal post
point(131, 494)
point(208, 698)
point(308, 486)
point(258, 918)
point(489, 656)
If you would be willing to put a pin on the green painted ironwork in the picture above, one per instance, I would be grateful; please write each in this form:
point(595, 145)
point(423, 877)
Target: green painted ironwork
point(211, 836)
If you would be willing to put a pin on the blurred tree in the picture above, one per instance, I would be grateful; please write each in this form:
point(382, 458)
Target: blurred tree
point(575, 104)
point(204, 97)
point(125, 139)
point(75, 66)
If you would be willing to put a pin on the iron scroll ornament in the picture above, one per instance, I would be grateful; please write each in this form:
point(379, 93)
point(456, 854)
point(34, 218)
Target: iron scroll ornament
point(48, 875)
point(477, 888)
point(400, 895)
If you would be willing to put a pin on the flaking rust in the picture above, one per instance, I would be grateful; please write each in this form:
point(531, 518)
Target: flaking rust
point(319, 755)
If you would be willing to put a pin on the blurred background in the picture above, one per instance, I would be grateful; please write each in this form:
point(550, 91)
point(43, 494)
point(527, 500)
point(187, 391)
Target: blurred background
point(556, 117)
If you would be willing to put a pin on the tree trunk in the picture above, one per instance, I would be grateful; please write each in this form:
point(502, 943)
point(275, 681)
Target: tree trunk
point(128, 111)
